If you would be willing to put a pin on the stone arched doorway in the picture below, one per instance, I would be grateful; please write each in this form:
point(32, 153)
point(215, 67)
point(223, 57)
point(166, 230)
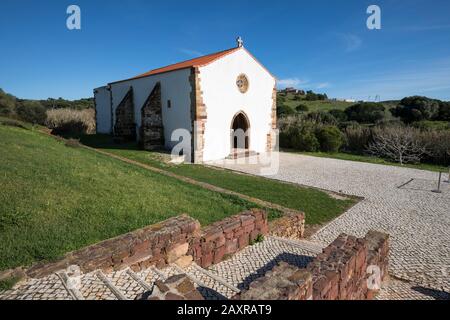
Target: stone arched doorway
point(240, 131)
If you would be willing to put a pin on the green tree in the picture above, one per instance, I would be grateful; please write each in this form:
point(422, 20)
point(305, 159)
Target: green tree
point(284, 110)
point(330, 138)
point(417, 108)
point(302, 108)
point(7, 103)
point(444, 111)
point(303, 138)
point(339, 115)
point(365, 112)
point(31, 111)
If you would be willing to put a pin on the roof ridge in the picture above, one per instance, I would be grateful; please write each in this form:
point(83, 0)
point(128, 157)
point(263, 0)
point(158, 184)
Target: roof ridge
point(194, 62)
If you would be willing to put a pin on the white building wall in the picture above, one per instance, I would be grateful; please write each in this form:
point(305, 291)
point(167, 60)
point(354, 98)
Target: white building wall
point(175, 87)
point(223, 100)
point(103, 110)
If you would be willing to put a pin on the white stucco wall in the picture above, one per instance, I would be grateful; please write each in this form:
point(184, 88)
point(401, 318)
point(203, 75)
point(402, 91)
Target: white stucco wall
point(103, 110)
point(175, 87)
point(223, 100)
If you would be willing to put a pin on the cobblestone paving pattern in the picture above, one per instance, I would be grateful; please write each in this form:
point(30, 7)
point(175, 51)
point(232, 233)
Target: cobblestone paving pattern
point(417, 219)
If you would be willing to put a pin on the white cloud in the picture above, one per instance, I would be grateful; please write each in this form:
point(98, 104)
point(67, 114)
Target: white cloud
point(350, 41)
point(427, 79)
point(323, 85)
point(192, 53)
point(291, 82)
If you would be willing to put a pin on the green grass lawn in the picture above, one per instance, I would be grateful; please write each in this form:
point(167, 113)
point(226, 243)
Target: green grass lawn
point(56, 198)
point(318, 205)
point(369, 159)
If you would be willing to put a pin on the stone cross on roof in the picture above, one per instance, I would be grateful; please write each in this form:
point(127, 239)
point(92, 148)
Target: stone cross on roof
point(240, 42)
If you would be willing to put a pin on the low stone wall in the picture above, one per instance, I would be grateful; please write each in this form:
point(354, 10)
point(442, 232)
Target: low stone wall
point(378, 246)
point(346, 266)
point(156, 244)
point(291, 225)
point(283, 282)
point(177, 240)
point(227, 236)
point(350, 268)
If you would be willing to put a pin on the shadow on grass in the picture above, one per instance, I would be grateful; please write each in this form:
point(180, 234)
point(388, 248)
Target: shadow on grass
point(103, 141)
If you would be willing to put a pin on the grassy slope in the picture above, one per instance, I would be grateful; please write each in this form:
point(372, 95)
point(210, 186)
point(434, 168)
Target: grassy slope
point(55, 199)
point(318, 206)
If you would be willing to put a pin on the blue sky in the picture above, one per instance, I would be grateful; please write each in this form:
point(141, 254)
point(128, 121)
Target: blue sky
point(320, 45)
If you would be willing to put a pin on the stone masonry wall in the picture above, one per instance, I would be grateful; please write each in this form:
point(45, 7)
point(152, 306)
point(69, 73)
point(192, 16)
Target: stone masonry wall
point(228, 236)
point(152, 130)
point(157, 244)
point(289, 226)
point(176, 240)
point(125, 126)
point(283, 282)
point(341, 272)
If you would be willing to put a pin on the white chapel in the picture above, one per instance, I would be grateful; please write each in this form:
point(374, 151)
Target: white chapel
point(225, 100)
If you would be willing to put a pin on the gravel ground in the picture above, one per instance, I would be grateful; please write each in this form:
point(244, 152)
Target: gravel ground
point(397, 200)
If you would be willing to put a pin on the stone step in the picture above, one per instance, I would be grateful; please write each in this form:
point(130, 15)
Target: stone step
point(313, 247)
point(47, 288)
point(210, 286)
point(93, 287)
point(241, 153)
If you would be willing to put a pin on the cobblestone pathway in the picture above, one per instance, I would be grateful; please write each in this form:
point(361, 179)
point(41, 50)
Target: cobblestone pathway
point(397, 200)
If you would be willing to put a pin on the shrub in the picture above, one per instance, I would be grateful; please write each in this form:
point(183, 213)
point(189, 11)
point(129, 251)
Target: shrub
point(321, 117)
point(431, 125)
point(297, 133)
point(7, 103)
point(357, 139)
point(438, 146)
point(365, 112)
point(31, 111)
point(284, 110)
point(304, 139)
point(302, 108)
point(71, 122)
point(417, 108)
point(444, 111)
point(339, 115)
point(330, 138)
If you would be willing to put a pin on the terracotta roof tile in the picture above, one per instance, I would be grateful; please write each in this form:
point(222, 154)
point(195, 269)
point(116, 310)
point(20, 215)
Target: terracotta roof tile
point(196, 62)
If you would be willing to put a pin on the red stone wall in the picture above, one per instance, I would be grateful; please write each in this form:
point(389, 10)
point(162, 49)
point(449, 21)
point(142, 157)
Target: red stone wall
point(152, 245)
point(289, 226)
point(341, 272)
point(176, 240)
point(228, 236)
point(283, 282)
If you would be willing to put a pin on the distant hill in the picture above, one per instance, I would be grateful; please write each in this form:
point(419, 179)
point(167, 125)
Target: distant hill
point(293, 100)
